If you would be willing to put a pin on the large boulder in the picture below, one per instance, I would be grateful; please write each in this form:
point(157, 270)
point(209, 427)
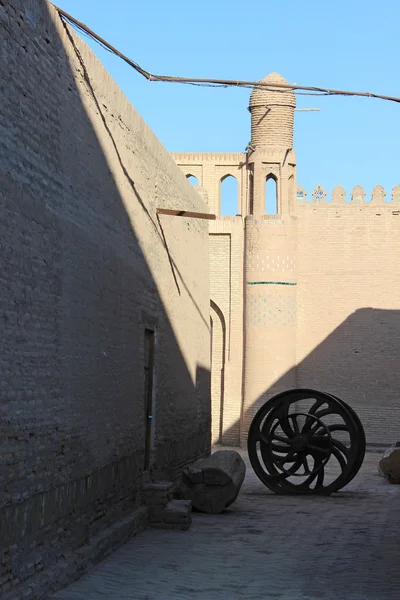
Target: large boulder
point(389, 465)
point(212, 484)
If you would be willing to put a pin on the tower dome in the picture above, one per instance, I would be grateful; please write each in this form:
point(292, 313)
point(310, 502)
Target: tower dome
point(272, 113)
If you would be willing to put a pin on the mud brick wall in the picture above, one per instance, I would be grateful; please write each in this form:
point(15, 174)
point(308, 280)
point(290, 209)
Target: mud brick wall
point(85, 267)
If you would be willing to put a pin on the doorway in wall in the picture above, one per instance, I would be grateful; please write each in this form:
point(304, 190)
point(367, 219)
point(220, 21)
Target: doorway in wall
point(148, 392)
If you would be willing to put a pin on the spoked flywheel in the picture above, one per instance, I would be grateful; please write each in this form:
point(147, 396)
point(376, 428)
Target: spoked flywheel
point(306, 442)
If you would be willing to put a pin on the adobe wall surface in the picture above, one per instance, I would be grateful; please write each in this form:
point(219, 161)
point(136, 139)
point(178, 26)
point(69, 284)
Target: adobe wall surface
point(335, 325)
point(348, 316)
point(210, 169)
point(270, 307)
point(86, 267)
point(226, 294)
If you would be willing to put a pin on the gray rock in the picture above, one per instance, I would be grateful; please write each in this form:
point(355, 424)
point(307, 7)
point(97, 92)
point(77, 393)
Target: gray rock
point(214, 483)
point(389, 465)
point(380, 472)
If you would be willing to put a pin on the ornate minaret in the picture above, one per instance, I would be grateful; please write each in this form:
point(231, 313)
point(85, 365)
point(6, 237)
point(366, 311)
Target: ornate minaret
point(271, 154)
point(270, 253)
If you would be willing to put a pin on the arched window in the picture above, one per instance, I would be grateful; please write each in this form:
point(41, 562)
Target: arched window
point(229, 196)
point(271, 195)
point(292, 196)
point(251, 193)
point(193, 180)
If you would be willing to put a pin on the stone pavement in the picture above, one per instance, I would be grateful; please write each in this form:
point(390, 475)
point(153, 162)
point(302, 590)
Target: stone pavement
point(344, 547)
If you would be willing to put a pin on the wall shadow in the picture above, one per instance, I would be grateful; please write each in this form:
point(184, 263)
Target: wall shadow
point(77, 294)
point(358, 362)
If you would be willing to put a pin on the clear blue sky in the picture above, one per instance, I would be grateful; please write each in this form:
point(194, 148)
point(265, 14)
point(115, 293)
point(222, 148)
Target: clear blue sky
point(346, 44)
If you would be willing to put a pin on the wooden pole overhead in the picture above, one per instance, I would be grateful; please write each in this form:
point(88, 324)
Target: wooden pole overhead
point(185, 213)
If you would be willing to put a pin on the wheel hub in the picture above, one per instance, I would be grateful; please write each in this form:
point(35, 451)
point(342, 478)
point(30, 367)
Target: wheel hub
point(300, 442)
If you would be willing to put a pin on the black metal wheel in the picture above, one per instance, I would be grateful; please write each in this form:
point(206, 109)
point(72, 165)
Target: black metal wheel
point(362, 442)
point(306, 442)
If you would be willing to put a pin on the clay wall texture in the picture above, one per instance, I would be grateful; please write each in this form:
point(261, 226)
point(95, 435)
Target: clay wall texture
point(270, 314)
point(227, 304)
point(272, 114)
point(320, 281)
point(348, 309)
point(309, 297)
point(86, 267)
point(210, 169)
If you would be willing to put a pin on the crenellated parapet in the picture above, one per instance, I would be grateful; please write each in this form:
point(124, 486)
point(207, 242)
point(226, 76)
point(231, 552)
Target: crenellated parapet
point(338, 195)
point(396, 194)
point(319, 195)
point(301, 195)
point(357, 196)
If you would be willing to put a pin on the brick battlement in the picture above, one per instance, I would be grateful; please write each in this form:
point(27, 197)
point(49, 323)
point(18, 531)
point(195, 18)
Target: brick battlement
point(357, 196)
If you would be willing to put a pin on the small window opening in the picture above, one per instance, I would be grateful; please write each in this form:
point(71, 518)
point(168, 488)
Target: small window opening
point(271, 196)
point(229, 196)
point(193, 180)
point(251, 194)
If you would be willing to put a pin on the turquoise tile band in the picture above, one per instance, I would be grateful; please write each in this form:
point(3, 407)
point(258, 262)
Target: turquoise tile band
point(270, 283)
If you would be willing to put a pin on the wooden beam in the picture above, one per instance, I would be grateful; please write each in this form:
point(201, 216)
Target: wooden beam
point(185, 213)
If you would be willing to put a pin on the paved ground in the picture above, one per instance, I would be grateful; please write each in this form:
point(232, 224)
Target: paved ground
point(344, 547)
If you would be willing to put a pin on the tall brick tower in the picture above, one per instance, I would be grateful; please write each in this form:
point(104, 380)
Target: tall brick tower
point(270, 249)
point(252, 263)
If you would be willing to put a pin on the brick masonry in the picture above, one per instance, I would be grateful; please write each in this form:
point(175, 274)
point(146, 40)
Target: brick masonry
point(348, 309)
point(318, 280)
point(86, 266)
point(226, 276)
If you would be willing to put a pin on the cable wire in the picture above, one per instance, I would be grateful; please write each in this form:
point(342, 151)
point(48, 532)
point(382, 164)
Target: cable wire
point(222, 83)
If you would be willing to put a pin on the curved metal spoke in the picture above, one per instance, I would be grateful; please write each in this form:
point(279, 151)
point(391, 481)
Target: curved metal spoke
point(315, 475)
point(340, 446)
point(295, 424)
point(325, 451)
point(287, 458)
point(286, 428)
point(330, 428)
point(322, 413)
point(280, 438)
point(261, 438)
point(317, 404)
point(305, 465)
point(319, 458)
point(320, 440)
point(284, 422)
point(326, 411)
point(338, 427)
point(278, 448)
point(295, 467)
point(320, 479)
point(340, 458)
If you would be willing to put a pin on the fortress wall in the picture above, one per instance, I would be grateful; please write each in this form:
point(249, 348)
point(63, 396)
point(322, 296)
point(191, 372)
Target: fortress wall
point(86, 267)
point(348, 308)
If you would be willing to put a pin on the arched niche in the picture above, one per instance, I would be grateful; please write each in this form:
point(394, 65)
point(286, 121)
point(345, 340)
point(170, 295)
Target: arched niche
point(229, 196)
point(217, 360)
point(271, 195)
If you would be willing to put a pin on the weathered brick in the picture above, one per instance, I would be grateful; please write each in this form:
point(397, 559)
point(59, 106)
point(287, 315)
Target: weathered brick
point(84, 270)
